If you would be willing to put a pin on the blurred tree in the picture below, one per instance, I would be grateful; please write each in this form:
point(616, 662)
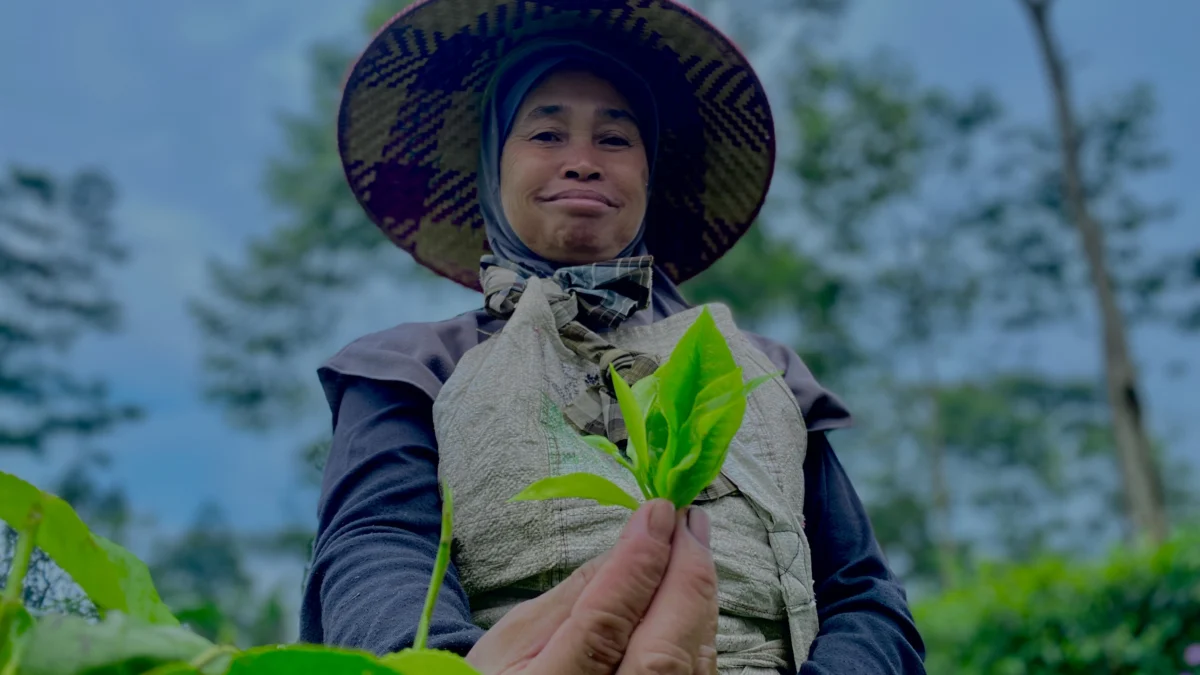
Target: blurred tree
point(204, 564)
point(876, 152)
point(58, 248)
point(203, 575)
point(1095, 159)
point(952, 221)
point(766, 278)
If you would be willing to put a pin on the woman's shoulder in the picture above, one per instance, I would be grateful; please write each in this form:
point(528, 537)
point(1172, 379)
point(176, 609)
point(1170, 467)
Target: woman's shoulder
point(422, 354)
point(823, 410)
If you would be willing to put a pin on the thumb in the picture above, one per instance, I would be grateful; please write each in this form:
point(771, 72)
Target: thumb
point(593, 638)
point(679, 632)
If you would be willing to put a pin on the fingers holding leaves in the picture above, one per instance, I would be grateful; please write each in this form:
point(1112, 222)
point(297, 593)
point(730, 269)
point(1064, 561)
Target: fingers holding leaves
point(594, 639)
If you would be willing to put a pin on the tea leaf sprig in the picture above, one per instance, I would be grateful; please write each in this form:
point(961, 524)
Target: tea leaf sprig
point(680, 420)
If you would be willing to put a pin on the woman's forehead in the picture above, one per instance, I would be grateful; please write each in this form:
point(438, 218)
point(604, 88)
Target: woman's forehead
point(566, 91)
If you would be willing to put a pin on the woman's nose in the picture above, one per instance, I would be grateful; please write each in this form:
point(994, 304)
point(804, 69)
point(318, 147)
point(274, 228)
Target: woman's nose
point(580, 165)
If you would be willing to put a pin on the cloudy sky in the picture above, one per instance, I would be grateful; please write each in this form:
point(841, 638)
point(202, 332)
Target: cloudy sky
point(179, 101)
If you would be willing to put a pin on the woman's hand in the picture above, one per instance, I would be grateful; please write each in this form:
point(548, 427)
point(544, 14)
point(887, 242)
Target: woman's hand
point(648, 606)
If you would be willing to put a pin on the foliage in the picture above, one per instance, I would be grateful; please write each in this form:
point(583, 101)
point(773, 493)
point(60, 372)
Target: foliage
point(137, 634)
point(282, 299)
point(57, 247)
point(954, 223)
point(1137, 612)
point(58, 250)
point(681, 420)
point(1023, 219)
point(48, 588)
point(112, 577)
point(768, 276)
point(204, 577)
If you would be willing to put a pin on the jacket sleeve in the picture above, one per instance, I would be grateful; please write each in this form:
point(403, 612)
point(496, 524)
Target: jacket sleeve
point(866, 625)
point(379, 521)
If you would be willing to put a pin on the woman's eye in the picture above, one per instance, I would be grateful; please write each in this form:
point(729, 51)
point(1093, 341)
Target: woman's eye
point(545, 137)
point(615, 141)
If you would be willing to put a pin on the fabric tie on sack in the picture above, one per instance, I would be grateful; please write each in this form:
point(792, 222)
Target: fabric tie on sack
point(601, 294)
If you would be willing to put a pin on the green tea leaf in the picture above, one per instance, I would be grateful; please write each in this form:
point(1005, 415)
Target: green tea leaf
point(717, 394)
point(16, 623)
point(429, 662)
point(635, 424)
point(700, 357)
point(112, 577)
point(645, 392)
point(303, 658)
point(759, 381)
point(62, 644)
point(711, 432)
point(609, 448)
point(141, 597)
point(579, 486)
point(658, 437)
point(172, 669)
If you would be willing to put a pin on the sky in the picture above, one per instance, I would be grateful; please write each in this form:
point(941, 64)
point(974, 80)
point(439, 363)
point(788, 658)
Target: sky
point(179, 102)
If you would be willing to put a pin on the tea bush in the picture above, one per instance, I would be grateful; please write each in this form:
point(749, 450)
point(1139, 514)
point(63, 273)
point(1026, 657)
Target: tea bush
point(1138, 611)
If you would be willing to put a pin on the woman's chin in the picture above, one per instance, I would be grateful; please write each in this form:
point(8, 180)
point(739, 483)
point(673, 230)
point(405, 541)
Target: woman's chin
point(581, 243)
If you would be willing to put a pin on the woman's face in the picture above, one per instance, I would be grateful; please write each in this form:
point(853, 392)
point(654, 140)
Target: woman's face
point(573, 172)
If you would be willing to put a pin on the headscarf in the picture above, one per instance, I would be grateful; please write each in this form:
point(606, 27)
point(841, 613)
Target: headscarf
point(588, 298)
point(519, 73)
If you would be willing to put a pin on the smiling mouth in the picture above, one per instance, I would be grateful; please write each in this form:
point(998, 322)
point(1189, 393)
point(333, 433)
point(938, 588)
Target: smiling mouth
point(581, 196)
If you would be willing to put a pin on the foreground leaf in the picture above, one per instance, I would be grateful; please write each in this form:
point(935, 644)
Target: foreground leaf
point(704, 438)
point(658, 437)
point(609, 448)
point(18, 623)
point(635, 425)
point(141, 597)
point(113, 578)
point(579, 486)
point(65, 645)
point(429, 662)
point(172, 669)
point(645, 392)
point(700, 357)
point(712, 432)
point(304, 659)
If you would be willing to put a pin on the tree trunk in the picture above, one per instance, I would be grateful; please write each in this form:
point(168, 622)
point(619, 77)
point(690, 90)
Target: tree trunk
point(1139, 470)
point(947, 550)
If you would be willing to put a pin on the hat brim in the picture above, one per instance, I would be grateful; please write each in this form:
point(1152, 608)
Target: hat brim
point(409, 124)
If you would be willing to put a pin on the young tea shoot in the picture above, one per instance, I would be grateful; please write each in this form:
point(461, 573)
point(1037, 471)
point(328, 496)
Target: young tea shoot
point(680, 421)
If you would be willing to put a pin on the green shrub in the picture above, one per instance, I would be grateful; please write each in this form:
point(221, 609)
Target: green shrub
point(1136, 612)
point(136, 633)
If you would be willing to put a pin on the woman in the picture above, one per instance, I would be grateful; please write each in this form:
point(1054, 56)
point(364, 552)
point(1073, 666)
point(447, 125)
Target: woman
point(574, 160)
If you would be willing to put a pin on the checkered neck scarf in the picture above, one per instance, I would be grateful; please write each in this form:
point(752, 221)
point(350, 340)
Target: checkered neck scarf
point(601, 294)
